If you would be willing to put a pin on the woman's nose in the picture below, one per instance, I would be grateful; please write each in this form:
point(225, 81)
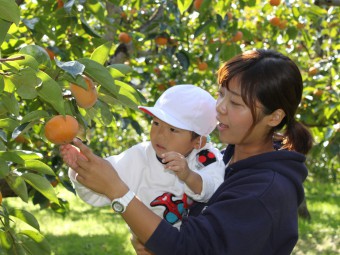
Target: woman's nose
point(221, 106)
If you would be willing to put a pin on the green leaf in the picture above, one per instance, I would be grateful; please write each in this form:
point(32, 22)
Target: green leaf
point(36, 242)
point(3, 109)
point(222, 7)
point(184, 59)
point(37, 166)
point(27, 61)
point(10, 102)
point(79, 80)
point(21, 129)
point(18, 185)
point(39, 53)
point(115, 73)
point(74, 68)
point(35, 115)
point(42, 185)
point(11, 157)
point(183, 5)
point(87, 28)
point(2, 145)
point(296, 12)
point(25, 216)
point(229, 51)
point(3, 136)
point(101, 53)
point(316, 10)
point(4, 27)
point(6, 239)
point(202, 28)
point(104, 113)
point(17, 248)
point(9, 11)
point(2, 84)
point(292, 32)
point(4, 169)
point(26, 81)
point(8, 124)
point(51, 92)
point(100, 74)
point(128, 95)
point(28, 155)
point(125, 69)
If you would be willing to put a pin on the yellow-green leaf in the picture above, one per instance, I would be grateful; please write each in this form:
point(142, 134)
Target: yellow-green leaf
point(25, 216)
point(9, 11)
point(42, 185)
point(37, 166)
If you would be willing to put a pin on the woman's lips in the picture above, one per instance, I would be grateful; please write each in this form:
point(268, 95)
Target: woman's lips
point(222, 126)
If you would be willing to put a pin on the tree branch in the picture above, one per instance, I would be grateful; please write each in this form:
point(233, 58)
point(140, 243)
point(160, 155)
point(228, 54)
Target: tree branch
point(11, 59)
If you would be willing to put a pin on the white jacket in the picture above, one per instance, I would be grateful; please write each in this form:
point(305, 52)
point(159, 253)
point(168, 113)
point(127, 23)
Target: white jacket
point(145, 175)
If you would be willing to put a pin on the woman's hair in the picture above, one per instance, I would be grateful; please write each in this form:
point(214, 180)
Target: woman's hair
point(273, 80)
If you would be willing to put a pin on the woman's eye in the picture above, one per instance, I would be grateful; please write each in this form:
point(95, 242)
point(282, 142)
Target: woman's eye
point(173, 130)
point(234, 103)
point(155, 123)
point(220, 93)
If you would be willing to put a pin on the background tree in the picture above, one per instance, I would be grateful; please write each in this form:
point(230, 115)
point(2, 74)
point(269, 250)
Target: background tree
point(132, 51)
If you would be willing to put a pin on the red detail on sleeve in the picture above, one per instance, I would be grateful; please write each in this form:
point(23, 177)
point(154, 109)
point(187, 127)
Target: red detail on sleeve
point(202, 159)
point(211, 155)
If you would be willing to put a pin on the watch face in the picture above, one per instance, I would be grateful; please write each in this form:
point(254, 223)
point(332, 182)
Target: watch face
point(117, 207)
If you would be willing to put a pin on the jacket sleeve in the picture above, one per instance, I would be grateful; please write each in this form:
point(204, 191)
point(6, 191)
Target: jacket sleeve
point(231, 225)
point(212, 177)
point(212, 174)
point(129, 166)
point(86, 194)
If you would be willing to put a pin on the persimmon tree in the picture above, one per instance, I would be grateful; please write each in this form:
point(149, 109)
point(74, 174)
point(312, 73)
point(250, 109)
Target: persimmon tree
point(132, 51)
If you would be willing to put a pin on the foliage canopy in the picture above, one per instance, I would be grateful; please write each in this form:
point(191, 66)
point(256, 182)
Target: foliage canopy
point(46, 45)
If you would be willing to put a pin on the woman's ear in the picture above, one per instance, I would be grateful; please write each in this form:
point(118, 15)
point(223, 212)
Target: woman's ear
point(276, 117)
point(200, 142)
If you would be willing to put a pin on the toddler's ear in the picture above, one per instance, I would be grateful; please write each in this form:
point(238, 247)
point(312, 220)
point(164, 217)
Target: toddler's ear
point(200, 142)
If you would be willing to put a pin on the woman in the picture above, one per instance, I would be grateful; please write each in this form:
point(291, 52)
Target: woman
point(254, 211)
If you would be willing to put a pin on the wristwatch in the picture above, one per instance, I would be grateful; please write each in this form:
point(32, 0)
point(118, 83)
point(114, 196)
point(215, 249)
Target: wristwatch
point(119, 205)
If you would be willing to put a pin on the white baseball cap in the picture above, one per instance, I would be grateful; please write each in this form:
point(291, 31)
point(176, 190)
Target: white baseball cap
point(187, 107)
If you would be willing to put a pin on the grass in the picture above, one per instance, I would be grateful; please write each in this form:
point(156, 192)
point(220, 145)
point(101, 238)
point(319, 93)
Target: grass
point(321, 235)
point(87, 230)
point(84, 230)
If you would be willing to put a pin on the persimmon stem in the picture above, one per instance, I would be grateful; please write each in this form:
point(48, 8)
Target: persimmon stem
point(11, 59)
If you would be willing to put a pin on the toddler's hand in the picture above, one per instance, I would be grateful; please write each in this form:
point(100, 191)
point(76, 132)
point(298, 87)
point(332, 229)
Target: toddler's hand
point(177, 163)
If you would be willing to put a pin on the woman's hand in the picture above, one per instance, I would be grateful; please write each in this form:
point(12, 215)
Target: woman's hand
point(97, 173)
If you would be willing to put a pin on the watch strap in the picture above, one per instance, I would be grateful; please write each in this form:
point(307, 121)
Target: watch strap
point(124, 201)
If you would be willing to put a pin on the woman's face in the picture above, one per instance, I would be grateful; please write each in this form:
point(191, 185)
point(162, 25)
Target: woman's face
point(165, 138)
point(235, 118)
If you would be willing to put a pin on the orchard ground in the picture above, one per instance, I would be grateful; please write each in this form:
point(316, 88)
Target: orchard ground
point(98, 231)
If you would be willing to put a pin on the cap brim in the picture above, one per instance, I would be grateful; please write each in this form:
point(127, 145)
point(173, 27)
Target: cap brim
point(160, 114)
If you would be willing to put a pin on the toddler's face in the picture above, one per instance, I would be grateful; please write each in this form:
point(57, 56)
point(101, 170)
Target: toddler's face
point(166, 138)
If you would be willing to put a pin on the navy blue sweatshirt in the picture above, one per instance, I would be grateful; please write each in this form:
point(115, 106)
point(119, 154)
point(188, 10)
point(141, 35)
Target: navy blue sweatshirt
point(254, 211)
